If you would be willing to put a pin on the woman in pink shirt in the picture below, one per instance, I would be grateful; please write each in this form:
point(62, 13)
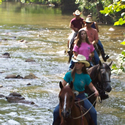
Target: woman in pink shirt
point(82, 46)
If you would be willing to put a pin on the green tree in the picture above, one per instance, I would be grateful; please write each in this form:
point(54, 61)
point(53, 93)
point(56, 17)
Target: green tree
point(112, 10)
point(94, 7)
point(116, 11)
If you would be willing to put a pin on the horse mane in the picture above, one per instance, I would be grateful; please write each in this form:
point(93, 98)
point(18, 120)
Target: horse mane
point(93, 71)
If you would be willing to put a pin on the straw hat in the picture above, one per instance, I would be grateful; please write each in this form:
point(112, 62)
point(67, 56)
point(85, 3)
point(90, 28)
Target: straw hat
point(82, 59)
point(88, 20)
point(76, 13)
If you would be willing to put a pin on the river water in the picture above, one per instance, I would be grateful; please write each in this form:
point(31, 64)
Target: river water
point(45, 31)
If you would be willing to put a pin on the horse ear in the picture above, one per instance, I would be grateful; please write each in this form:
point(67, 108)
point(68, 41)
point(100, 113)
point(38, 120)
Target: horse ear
point(60, 85)
point(71, 84)
point(100, 63)
point(110, 63)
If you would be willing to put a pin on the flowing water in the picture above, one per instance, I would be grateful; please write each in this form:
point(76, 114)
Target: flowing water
point(45, 31)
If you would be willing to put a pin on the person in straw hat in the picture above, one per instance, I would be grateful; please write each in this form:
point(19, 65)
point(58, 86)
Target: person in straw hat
point(100, 46)
point(75, 24)
point(80, 79)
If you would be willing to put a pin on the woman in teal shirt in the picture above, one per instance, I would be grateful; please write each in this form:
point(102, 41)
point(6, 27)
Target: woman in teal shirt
point(80, 79)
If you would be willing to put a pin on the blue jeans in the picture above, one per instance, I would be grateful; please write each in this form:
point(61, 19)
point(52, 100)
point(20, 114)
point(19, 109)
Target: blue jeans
point(71, 65)
point(96, 57)
point(87, 105)
point(100, 45)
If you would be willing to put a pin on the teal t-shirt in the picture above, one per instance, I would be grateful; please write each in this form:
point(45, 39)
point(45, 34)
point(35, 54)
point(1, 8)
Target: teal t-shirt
point(81, 80)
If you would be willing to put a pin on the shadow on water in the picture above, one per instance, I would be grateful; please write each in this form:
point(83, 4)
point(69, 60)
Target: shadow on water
point(45, 32)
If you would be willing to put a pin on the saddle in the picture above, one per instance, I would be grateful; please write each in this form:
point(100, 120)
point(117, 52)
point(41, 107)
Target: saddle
point(84, 111)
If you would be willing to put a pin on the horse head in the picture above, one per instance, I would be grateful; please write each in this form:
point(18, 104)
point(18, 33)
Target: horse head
point(66, 98)
point(100, 75)
point(104, 73)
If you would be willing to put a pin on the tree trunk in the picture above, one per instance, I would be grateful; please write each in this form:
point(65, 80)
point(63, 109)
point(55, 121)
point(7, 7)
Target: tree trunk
point(100, 17)
point(68, 6)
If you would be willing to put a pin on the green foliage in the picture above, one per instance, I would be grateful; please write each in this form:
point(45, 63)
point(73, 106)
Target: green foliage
point(121, 21)
point(87, 4)
point(40, 1)
point(113, 11)
point(114, 67)
point(121, 62)
point(91, 5)
point(123, 43)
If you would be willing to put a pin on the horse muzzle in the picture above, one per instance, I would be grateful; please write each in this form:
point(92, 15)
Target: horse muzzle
point(108, 87)
point(66, 113)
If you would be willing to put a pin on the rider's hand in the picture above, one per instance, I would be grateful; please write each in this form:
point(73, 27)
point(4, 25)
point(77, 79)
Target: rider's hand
point(94, 42)
point(76, 29)
point(96, 93)
point(90, 55)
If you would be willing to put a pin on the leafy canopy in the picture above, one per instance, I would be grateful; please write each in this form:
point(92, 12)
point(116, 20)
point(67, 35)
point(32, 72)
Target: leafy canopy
point(113, 9)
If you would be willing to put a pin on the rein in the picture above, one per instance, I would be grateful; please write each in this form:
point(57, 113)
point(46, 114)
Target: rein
point(85, 98)
point(87, 110)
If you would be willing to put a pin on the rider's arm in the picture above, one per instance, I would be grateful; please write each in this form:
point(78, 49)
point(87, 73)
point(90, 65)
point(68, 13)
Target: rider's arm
point(91, 54)
point(72, 27)
point(95, 42)
point(96, 38)
point(92, 87)
point(96, 25)
point(64, 82)
point(83, 25)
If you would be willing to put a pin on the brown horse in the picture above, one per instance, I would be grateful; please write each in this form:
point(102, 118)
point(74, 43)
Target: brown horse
point(100, 75)
point(69, 111)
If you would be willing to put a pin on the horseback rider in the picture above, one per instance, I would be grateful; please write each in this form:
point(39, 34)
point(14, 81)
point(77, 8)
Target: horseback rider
point(75, 24)
point(100, 46)
point(80, 79)
point(82, 46)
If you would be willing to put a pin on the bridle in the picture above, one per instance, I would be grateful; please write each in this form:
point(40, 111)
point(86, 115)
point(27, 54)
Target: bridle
point(77, 102)
point(100, 83)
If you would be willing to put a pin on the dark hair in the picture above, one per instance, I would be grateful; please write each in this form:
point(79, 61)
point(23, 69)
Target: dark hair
point(78, 40)
point(74, 71)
